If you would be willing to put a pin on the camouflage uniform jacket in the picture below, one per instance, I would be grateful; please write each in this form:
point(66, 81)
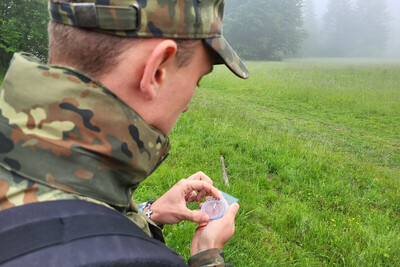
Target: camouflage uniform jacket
point(64, 135)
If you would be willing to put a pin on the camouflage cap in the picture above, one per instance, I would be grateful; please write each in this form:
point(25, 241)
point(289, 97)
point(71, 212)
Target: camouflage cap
point(177, 19)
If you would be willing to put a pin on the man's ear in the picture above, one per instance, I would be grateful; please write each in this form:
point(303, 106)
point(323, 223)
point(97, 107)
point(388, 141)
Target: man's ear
point(155, 69)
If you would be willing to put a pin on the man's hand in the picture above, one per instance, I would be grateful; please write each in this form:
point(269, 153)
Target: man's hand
point(215, 233)
point(171, 207)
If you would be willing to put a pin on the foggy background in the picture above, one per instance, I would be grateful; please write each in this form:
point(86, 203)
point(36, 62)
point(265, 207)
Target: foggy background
point(277, 29)
point(257, 29)
point(393, 43)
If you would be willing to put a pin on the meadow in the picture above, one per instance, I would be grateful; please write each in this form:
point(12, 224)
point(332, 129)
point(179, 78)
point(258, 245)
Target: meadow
point(312, 150)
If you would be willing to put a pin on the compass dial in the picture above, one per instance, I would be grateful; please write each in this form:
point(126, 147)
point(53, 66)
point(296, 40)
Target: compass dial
point(214, 207)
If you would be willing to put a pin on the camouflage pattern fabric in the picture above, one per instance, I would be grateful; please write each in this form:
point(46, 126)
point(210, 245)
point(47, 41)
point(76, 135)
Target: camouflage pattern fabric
point(106, 145)
point(180, 19)
point(65, 136)
point(211, 257)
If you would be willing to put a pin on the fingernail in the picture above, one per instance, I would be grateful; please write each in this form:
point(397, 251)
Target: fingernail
point(205, 218)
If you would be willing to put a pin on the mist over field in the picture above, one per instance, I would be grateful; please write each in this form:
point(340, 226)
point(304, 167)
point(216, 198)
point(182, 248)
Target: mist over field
point(257, 29)
point(273, 30)
point(393, 23)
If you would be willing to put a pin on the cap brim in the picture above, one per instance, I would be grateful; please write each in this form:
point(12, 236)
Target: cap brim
point(226, 55)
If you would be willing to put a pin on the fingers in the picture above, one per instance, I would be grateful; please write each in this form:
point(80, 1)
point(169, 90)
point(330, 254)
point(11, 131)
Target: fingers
point(197, 216)
point(232, 211)
point(192, 196)
point(201, 186)
point(200, 195)
point(216, 232)
point(205, 199)
point(200, 176)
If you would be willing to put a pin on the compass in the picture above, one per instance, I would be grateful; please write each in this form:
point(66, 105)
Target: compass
point(215, 208)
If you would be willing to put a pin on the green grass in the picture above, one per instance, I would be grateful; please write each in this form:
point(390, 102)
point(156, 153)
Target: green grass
point(2, 73)
point(312, 152)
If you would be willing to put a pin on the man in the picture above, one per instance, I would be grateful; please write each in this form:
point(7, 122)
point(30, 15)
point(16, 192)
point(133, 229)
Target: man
point(93, 123)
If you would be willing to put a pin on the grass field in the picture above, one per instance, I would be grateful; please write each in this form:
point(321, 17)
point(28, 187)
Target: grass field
point(312, 150)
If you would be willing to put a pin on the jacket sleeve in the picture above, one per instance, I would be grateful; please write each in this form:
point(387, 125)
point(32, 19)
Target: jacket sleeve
point(211, 257)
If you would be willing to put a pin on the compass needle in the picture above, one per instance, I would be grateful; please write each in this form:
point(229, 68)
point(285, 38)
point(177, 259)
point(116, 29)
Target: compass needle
point(215, 208)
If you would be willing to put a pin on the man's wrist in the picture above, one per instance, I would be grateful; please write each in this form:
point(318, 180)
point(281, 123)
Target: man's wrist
point(155, 214)
point(148, 209)
point(206, 246)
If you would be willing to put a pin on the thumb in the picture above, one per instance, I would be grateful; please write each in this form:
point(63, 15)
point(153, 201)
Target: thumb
point(232, 211)
point(196, 216)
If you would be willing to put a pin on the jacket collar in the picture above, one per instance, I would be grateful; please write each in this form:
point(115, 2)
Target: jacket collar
point(66, 130)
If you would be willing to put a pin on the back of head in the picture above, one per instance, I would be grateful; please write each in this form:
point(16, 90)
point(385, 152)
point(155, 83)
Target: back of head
point(91, 34)
point(95, 52)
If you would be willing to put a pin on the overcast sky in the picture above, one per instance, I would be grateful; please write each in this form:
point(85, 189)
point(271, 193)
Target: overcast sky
point(394, 8)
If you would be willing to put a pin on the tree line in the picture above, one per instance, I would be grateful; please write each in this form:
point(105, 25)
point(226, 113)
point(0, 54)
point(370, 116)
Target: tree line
point(348, 28)
point(264, 29)
point(257, 29)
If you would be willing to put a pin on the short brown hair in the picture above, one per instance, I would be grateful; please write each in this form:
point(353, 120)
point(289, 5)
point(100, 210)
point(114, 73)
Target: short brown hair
point(96, 53)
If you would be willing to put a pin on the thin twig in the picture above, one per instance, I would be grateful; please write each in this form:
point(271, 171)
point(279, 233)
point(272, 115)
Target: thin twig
point(225, 178)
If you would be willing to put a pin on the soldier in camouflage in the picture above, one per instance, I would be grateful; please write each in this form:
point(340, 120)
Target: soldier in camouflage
point(65, 135)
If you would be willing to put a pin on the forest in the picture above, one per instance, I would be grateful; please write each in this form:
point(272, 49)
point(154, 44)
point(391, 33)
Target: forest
point(257, 29)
